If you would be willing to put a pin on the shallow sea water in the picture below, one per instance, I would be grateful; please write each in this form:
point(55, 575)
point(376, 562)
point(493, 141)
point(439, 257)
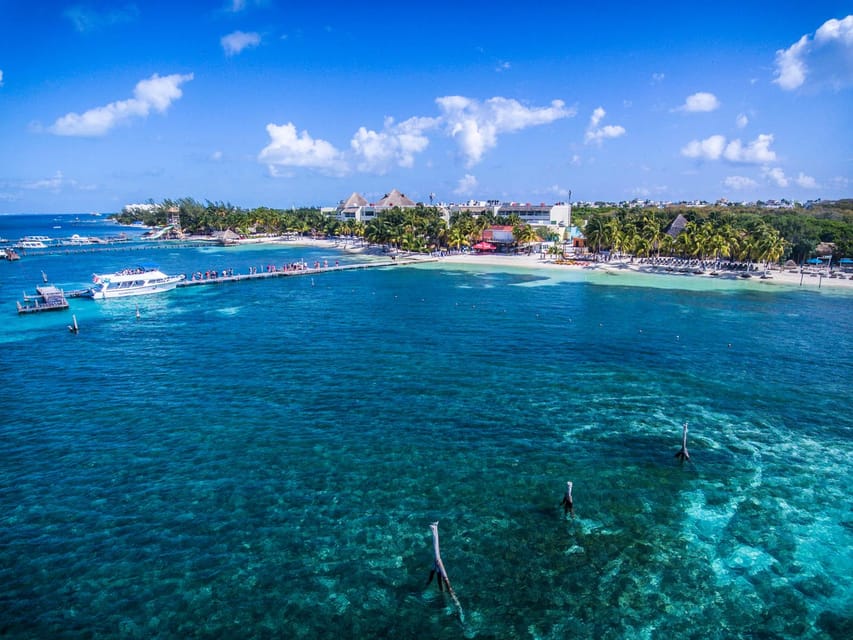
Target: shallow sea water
point(264, 459)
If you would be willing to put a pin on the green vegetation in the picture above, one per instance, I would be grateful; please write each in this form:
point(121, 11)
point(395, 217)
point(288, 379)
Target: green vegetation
point(712, 232)
point(418, 229)
point(723, 232)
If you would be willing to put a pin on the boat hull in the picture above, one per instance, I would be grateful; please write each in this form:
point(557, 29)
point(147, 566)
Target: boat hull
point(135, 291)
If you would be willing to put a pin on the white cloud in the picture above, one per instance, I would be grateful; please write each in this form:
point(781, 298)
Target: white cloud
point(85, 18)
point(607, 131)
point(52, 183)
point(756, 152)
point(715, 147)
point(236, 6)
point(597, 134)
point(395, 144)
point(700, 102)
point(657, 78)
point(576, 160)
point(56, 183)
point(157, 92)
point(235, 42)
point(475, 126)
point(776, 175)
point(740, 182)
point(824, 59)
point(597, 114)
point(1, 77)
point(466, 185)
point(503, 66)
point(287, 149)
point(741, 120)
point(710, 148)
point(806, 182)
point(216, 155)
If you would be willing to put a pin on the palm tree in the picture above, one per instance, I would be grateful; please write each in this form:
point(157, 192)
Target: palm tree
point(525, 235)
point(652, 232)
point(457, 236)
point(358, 230)
point(377, 232)
point(595, 231)
point(685, 242)
point(769, 245)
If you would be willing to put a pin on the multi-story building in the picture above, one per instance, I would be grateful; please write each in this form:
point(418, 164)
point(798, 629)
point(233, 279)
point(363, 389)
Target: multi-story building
point(556, 217)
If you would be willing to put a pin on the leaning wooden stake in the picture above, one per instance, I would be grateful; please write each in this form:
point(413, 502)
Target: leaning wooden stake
point(438, 568)
point(682, 453)
point(567, 503)
point(74, 328)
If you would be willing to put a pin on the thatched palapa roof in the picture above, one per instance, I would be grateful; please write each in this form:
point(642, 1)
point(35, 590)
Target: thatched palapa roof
point(677, 226)
point(395, 199)
point(355, 200)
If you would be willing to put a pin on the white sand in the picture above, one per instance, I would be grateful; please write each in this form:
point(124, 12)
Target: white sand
point(808, 280)
point(775, 276)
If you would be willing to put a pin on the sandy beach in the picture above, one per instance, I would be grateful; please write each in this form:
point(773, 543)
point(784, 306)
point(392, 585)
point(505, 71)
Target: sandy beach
point(806, 280)
point(774, 276)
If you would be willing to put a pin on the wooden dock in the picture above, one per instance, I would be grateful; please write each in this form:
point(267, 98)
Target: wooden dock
point(278, 273)
point(47, 298)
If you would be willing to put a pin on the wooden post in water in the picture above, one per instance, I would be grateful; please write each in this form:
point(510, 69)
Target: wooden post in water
point(438, 568)
point(73, 328)
point(567, 503)
point(682, 453)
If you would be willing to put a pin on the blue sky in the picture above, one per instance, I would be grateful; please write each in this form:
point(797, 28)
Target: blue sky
point(274, 103)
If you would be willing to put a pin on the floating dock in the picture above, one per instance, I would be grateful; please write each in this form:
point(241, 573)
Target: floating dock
point(47, 298)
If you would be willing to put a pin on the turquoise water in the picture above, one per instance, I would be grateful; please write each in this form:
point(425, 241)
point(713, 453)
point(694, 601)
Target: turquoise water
point(264, 459)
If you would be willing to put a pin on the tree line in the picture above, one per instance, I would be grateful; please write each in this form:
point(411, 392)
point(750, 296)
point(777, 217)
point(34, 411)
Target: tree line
point(419, 229)
point(732, 233)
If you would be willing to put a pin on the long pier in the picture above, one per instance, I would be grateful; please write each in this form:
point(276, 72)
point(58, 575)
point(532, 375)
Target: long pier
point(278, 273)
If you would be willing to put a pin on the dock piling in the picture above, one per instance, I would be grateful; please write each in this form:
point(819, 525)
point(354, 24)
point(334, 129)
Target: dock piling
point(567, 502)
point(682, 453)
point(438, 569)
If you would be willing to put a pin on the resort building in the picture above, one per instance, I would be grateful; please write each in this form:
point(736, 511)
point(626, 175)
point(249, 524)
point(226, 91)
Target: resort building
point(557, 218)
point(356, 207)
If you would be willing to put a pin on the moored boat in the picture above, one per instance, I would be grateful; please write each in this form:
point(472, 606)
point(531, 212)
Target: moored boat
point(33, 242)
point(132, 282)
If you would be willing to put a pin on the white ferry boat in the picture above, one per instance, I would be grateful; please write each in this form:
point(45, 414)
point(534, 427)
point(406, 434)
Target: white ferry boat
point(77, 239)
point(33, 242)
point(132, 282)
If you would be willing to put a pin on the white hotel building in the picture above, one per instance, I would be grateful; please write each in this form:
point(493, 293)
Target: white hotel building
point(556, 217)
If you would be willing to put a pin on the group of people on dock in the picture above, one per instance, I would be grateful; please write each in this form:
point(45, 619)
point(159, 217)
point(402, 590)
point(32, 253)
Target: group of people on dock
point(301, 265)
point(212, 274)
